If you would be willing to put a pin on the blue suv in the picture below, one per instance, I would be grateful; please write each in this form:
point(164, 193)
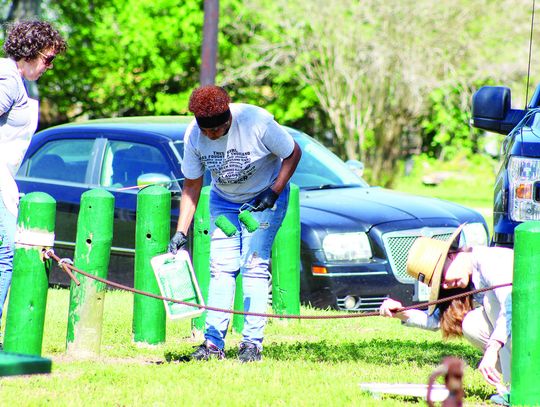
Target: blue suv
point(517, 186)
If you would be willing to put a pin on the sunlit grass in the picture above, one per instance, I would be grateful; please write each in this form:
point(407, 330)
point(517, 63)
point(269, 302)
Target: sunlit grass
point(466, 182)
point(306, 363)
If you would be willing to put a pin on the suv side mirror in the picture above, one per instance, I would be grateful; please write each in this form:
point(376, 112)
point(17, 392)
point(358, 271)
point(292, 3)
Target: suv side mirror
point(491, 110)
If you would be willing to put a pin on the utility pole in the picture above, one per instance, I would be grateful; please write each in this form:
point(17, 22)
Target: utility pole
point(24, 9)
point(209, 45)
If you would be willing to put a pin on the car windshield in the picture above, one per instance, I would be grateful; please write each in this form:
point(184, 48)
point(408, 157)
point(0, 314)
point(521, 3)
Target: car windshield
point(319, 168)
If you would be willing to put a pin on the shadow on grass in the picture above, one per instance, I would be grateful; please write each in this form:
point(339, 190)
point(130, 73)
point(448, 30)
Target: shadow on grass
point(377, 351)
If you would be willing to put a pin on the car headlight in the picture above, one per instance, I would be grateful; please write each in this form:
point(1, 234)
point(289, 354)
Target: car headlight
point(523, 177)
point(347, 246)
point(474, 234)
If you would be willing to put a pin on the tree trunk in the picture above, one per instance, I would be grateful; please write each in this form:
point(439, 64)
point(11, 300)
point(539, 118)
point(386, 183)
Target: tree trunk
point(24, 10)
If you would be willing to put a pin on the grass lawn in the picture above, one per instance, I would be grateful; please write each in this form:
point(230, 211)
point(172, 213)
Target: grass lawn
point(306, 363)
point(468, 183)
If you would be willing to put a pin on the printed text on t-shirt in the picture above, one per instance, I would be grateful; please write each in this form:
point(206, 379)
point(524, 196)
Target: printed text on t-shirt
point(231, 167)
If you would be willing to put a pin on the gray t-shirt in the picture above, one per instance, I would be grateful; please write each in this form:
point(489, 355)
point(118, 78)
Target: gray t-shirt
point(246, 160)
point(18, 122)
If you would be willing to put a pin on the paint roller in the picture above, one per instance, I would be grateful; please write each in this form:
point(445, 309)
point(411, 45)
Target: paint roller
point(245, 216)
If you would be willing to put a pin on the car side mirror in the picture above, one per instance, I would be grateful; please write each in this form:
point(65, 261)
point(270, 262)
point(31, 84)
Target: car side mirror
point(153, 178)
point(356, 166)
point(491, 110)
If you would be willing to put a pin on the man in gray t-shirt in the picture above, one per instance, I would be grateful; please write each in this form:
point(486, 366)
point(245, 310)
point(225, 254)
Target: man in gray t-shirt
point(251, 160)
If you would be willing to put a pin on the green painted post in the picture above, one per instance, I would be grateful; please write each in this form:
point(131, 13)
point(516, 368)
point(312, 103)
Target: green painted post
point(92, 253)
point(286, 260)
point(238, 320)
point(30, 282)
point(525, 320)
point(152, 234)
point(201, 252)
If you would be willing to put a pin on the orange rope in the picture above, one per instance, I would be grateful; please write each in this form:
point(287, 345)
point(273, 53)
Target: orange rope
point(65, 265)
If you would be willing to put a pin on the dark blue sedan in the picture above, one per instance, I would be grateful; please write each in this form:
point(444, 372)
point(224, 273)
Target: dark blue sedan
point(355, 237)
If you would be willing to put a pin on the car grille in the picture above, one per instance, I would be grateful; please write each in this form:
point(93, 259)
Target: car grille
point(364, 303)
point(398, 244)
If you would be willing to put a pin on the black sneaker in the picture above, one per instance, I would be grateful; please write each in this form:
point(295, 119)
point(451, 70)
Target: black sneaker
point(249, 352)
point(206, 351)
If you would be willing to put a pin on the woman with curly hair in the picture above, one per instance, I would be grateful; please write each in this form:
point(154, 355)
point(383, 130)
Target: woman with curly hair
point(450, 270)
point(251, 159)
point(30, 47)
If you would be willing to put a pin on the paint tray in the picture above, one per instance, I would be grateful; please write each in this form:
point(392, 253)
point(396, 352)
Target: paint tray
point(17, 364)
point(438, 393)
point(176, 280)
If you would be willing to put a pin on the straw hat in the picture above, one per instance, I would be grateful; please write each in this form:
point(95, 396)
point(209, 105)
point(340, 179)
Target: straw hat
point(426, 261)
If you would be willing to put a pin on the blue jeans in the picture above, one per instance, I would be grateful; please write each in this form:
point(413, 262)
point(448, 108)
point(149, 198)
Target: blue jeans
point(8, 222)
point(246, 253)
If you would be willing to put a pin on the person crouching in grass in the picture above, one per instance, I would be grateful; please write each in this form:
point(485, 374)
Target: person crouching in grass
point(449, 269)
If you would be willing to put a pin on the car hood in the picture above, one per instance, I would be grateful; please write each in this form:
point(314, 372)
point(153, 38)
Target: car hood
point(526, 143)
point(362, 208)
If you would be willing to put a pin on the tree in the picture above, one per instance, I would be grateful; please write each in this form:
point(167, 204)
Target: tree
point(372, 64)
point(125, 58)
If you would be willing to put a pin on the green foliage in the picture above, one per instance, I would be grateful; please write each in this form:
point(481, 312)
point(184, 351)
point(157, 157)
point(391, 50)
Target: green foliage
point(280, 91)
point(445, 128)
point(126, 58)
point(360, 77)
point(142, 58)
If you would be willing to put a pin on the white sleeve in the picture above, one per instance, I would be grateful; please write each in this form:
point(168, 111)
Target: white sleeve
point(9, 192)
point(8, 90)
point(421, 319)
point(278, 140)
point(496, 267)
point(192, 167)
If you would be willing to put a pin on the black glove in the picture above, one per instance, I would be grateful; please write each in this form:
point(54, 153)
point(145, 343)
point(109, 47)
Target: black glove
point(178, 241)
point(266, 199)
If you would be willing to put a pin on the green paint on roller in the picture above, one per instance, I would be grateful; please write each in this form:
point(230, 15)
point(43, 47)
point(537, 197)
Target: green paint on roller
point(225, 225)
point(249, 221)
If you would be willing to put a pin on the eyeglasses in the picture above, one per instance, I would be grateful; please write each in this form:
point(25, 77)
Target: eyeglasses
point(47, 59)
